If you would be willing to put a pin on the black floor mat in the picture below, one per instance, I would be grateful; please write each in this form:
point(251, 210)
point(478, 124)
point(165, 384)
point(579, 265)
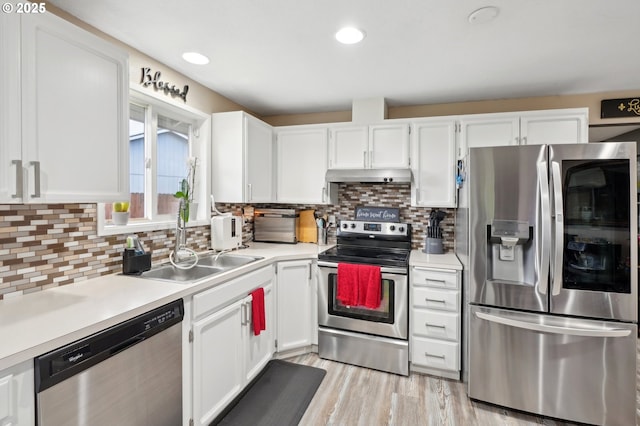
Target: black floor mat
point(278, 397)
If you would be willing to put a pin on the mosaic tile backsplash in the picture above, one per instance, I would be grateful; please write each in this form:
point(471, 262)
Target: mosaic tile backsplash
point(44, 246)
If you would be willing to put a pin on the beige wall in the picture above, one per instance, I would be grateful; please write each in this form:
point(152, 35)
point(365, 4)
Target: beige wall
point(592, 101)
point(208, 101)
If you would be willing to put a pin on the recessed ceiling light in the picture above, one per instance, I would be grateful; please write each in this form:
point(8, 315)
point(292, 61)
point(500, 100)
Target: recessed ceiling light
point(195, 58)
point(484, 14)
point(349, 35)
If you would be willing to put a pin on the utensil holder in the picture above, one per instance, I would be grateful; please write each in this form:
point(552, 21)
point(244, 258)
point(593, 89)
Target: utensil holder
point(322, 236)
point(134, 264)
point(433, 246)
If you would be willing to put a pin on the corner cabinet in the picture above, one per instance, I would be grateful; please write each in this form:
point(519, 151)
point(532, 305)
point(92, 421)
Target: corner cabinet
point(296, 301)
point(226, 355)
point(301, 166)
point(369, 147)
point(433, 153)
point(435, 322)
point(63, 113)
point(241, 158)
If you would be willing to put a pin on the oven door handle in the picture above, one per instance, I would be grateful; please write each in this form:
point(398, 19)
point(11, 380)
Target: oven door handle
point(383, 269)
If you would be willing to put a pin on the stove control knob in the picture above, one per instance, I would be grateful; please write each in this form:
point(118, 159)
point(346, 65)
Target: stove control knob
point(392, 228)
point(401, 229)
point(344, 225)
point(353, 225)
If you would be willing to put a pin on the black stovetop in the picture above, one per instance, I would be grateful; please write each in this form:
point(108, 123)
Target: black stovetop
point(382, 256)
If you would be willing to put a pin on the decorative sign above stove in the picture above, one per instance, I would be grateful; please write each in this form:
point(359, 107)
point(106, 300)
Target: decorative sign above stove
point(378, 214)
point(614, 108)
point(159, 85)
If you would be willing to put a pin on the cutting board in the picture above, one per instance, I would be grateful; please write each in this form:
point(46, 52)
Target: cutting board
point(307, 228)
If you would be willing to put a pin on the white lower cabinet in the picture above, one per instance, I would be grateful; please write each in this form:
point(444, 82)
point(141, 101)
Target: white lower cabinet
point(17, 395)
point(435, 322)
point(297, 312)
point(226, 353)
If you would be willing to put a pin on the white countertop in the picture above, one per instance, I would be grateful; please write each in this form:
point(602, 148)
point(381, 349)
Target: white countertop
point(443, 261)
point(37, 323)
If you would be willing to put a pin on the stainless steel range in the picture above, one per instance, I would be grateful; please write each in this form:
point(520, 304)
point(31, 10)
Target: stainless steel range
point(373, 336)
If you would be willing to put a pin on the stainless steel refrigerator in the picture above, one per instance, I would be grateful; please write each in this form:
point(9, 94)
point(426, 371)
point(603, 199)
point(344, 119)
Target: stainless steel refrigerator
point(552, 283)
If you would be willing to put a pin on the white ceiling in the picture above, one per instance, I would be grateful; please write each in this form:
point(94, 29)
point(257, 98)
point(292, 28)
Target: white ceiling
point(280, 56)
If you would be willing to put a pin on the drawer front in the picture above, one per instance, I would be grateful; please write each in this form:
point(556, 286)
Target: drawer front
point(435, 354)
point(434, 278)
point(438, 325)
point(226, 293)
point(431, 298)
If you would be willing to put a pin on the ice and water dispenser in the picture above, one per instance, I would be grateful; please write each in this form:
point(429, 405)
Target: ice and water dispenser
point(508, 252)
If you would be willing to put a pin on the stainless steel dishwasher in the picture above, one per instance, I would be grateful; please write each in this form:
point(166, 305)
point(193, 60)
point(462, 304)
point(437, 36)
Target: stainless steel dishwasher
point(128, 374)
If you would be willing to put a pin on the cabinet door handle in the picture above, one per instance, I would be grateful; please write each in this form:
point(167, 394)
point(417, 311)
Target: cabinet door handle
point(250, 197)
point(36, 178)
point(364, 158)
point(19, 189)
point(370, 158)
point(417, 195)
point(324, 191)
point(426, 324)
point(426, 299)
point(428, 355)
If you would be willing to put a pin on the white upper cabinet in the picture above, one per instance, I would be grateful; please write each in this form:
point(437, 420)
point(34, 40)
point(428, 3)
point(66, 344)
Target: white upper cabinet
point(523, 128)
point(389, 146)
point(301, 157)
point(433, 153)
point(369, 147)
point(64, 113)
point(482, 130)
point(241, 158)
point(554, 127)
point(349, 147)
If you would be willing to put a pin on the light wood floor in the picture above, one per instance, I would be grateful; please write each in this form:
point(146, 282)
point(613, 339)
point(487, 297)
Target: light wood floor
point(351, 395)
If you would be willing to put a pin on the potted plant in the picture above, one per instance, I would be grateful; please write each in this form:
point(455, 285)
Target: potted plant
point(185, 193)
point(120, 214)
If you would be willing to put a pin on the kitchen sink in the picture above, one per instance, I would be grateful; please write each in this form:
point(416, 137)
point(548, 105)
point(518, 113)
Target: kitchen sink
point(208, 265)
point(226, 261)
point(168, 272)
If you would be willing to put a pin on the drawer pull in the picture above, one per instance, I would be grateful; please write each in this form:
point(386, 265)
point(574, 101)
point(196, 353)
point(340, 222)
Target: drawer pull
point(426, 299)
point(427, 354)
point(431, 280)
point(426, 324)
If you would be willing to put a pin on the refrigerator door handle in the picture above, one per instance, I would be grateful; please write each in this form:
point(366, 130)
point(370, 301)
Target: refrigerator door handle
point(556, 270)
point(571, 331)
point(545, 224)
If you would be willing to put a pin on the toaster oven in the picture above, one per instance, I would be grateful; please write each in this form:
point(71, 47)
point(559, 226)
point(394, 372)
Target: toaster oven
point(275, 225)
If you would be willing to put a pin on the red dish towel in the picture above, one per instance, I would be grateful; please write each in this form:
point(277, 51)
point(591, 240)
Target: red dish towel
point(370, 283)
point(257, 311)
point(347, 291)
point(359, 285)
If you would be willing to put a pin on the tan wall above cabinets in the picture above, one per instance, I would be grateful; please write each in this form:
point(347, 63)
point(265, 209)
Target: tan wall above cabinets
point(590, 100)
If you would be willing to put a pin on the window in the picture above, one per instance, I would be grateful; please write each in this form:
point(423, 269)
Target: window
point(162, 140)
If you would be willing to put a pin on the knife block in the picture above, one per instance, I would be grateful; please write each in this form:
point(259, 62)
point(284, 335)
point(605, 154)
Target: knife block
point(433, 246)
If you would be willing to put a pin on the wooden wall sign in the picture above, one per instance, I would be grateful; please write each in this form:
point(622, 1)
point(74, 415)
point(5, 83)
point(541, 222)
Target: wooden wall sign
point(615, 108)
point(169, 89)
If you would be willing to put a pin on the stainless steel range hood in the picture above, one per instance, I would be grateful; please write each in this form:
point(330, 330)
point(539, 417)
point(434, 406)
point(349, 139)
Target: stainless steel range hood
point(369, 175)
